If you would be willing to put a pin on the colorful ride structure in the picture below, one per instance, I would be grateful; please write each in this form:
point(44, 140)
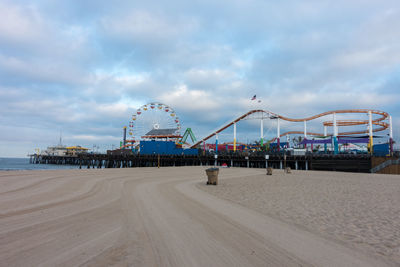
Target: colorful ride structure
point(376, 122)
point(228, 146)
point(183, 141)
point(153, 121)
point(155, 128)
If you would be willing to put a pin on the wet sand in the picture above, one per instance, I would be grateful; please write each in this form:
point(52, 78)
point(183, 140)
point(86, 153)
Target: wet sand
point(169, 217)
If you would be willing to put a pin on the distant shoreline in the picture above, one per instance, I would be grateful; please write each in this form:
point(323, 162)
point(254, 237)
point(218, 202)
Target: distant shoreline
point(22, 164)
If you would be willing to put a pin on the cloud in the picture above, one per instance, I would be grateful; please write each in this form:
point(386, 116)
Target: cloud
point(20, 24)
point(142, 26)
point(207, 79)
point(84, 67)
point(189, 100)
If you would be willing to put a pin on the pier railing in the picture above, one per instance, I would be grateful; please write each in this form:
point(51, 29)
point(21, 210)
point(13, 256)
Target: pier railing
point(385, 164)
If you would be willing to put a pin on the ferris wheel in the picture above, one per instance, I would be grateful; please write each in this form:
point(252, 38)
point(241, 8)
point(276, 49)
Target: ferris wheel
point(153, 116)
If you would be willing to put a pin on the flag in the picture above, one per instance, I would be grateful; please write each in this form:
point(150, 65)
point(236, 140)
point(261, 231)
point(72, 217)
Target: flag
point(254, 97)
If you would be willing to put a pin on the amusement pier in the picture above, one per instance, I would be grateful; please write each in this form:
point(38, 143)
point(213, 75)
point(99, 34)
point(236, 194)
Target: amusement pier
point(354, 140)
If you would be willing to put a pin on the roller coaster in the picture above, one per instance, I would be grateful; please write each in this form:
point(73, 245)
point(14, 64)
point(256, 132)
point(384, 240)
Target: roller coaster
point(376, 124)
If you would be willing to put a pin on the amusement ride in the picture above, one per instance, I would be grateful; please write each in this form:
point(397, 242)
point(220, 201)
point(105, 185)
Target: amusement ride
point(153, 120)
point(376, 122)
point(157, 121)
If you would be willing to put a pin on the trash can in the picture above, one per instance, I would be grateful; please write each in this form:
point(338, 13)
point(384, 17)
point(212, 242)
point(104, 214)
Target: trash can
point(212, 174)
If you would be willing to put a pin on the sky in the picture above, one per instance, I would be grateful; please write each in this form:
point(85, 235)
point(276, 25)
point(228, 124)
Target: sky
point(82, 68)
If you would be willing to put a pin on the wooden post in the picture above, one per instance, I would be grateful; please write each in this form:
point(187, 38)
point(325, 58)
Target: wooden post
point(284, 160)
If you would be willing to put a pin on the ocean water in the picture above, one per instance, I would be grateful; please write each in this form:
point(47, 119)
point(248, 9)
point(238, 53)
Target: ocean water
point(10, 164)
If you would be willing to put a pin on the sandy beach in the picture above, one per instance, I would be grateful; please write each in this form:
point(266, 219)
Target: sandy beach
point(360, 210)
point(169, 217)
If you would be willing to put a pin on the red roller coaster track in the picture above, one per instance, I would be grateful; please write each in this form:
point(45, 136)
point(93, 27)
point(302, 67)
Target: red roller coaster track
point(378, 121)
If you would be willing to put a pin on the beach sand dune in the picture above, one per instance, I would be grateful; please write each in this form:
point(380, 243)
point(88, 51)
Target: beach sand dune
point(168, 217)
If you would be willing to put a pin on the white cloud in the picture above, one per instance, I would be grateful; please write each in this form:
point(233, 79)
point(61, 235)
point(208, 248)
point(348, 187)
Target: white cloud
point(208, 79)
point(21, 24)
point(114, 109)
point(143, 26)
point(131, 80)
point(189, 100)
point(93, 138)
point(40, 71)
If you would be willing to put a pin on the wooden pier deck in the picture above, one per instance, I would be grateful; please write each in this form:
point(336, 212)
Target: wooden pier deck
point(350, 163)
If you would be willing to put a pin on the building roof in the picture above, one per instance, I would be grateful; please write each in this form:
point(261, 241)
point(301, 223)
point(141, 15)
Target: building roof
point(56, 147)
point(77, 147)
point(161, 132)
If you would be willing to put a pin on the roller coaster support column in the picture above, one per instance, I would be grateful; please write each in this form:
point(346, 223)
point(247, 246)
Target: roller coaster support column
point(287, 141)
point(390, 135)
point(305, 134)
point(325, 134)
point(216, 143)
point(234, 137)
point(335, 133)
point(371, 141)
point(278, 135)
point(124, 140)
point(261, 132)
